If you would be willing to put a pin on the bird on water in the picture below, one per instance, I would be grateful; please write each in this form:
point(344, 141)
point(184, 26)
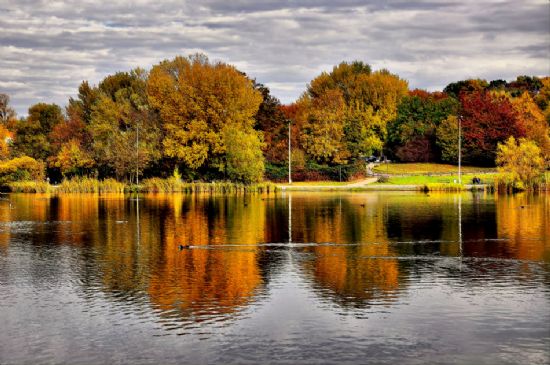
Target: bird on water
point(183, 247)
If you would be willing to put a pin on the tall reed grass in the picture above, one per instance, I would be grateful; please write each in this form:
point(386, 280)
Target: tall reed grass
point(170, 185)
point(29, 187)
point(504, 183)
point(88, 185)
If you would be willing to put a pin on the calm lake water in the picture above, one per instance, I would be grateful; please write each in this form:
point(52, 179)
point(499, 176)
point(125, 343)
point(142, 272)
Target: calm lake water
point(281, 278)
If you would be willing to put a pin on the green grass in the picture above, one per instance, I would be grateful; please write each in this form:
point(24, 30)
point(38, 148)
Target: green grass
point(317, 183)
point(448, 179)
point(425, 168)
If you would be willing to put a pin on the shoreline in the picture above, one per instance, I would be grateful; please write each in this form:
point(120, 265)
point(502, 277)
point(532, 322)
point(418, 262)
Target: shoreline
point(382, 187)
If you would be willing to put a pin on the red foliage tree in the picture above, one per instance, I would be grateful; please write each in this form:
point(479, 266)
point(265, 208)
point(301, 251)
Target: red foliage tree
point(487, 119)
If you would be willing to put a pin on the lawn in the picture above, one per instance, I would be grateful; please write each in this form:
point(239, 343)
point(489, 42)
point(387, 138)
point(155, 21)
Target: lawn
point(316, 183)
point(425, 168)
point(424, 179)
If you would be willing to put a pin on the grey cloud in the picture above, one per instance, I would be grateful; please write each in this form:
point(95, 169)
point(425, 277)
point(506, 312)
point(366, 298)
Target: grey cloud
point(48, 47)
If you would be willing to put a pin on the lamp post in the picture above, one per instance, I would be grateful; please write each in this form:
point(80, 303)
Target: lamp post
point(289, 154)
point(137, 152)
point(460, 149)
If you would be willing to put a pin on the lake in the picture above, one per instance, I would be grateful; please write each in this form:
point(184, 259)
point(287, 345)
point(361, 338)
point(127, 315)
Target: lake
point(377, 277)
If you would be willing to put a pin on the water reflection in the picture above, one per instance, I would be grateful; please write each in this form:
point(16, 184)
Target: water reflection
point(355, 253)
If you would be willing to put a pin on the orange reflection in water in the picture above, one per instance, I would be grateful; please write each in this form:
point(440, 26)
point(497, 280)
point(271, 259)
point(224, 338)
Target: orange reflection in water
point(525, 220)
point(209, 277)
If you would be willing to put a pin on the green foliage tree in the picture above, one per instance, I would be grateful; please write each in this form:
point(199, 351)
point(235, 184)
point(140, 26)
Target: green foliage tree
point(418, 117)
point(31, 134)
point(121, 117)
point(245, 161)
point(520, 163)
point(447, 139)
point(456, 89)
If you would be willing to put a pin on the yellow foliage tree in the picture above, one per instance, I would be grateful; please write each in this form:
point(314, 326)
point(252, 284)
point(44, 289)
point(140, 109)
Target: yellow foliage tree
point(347, 111)
point(197, 100)
point(521, 165)
point(5, 137)
point(536, 128)
point(72, 159)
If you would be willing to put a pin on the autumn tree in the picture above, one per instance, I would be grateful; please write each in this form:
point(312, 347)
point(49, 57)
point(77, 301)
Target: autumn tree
point(121, 118)
point(447, 139)
point(72, 159)
point(197, 100)
point(31, 134)
point(5, 138)
point(7, 114)
point(534, 122)
point(543, 98)
point(487, 119)
point(520, 163)
point(366, 102)
point(244, 157)
point(412, 134)
point(323, 133)
point(271, 120)
point(456, 89)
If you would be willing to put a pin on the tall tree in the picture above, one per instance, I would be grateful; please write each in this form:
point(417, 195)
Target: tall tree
point(487, 119)
point(369, 102)
point(534, 121)
point(323, 134)
point(7, 114)
point(121, 117)
point(197, 100)
point(455, 89)
point(31, 134)
point(271, 120)
point(412, 134)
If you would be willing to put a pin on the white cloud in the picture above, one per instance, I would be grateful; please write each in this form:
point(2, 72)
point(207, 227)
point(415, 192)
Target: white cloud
point(49, 47)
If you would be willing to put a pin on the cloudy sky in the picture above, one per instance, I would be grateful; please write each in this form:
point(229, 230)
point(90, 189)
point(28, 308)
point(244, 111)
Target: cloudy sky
point(48, 47)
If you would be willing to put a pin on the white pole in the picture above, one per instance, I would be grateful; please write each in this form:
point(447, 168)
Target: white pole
point(460, 149)
point(289, 156)
point(137, 153)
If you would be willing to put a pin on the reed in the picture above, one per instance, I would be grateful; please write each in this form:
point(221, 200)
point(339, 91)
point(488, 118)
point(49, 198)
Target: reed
point(29, 187)
point(88, 185)
point(171, 185)
point(506, 183)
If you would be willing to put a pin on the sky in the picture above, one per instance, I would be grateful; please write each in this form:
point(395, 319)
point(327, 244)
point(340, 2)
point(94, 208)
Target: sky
point(47, 48)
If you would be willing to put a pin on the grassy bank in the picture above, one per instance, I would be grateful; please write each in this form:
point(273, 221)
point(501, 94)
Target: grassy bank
point(426, 168)
point(425, 179)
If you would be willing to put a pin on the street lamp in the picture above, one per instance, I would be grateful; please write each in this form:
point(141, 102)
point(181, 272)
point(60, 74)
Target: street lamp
point(460, 149)
point(289, 154)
